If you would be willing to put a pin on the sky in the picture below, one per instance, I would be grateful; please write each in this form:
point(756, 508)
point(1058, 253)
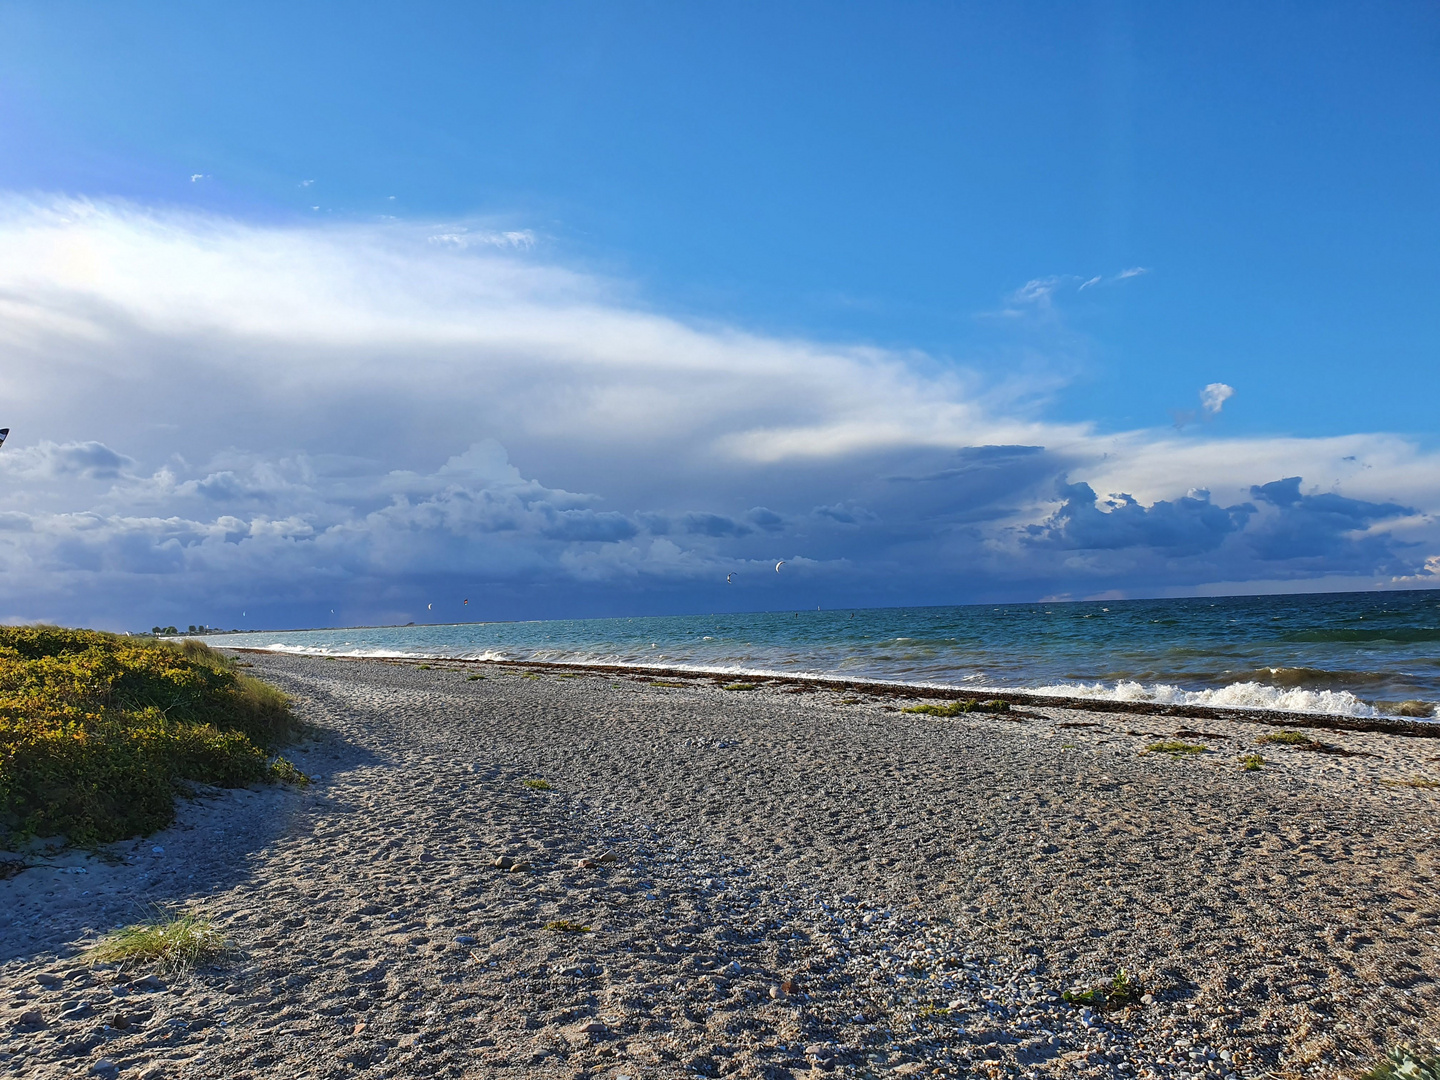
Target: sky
point(319, 314)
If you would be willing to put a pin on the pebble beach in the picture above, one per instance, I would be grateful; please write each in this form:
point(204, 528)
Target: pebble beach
point(511, 871)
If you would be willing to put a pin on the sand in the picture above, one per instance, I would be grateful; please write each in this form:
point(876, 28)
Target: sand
point(784, 881)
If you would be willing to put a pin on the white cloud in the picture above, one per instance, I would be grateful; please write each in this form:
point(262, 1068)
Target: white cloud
point(1214, 396)
point(1134, 271)
point(291, 405)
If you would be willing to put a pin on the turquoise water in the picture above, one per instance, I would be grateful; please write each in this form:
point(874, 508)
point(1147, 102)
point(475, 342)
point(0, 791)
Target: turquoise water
point(1353, 653)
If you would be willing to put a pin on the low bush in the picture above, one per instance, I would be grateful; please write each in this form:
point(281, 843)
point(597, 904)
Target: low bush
point(97, 730)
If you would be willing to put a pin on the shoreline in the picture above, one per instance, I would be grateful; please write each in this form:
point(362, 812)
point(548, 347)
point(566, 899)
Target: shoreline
point(768, 885)
point(1393, 725)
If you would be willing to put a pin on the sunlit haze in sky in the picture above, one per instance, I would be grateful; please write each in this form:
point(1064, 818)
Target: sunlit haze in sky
point(576, 309)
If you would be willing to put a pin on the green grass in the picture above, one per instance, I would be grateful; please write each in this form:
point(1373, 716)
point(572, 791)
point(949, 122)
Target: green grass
point(739, 686)
point(175, 943)
point(1176, 749)
point(538, 785)
point(1119, 992)
point(528, 675)
point(566, 926)
point(663, 682)
point(958, 708)
point(1404, 1063)
point(473, 678)
point(423, 667)
point(98, 732)
point(1252, 763)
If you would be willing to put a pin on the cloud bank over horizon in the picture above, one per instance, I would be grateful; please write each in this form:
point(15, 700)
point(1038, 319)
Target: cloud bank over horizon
point(214, 416)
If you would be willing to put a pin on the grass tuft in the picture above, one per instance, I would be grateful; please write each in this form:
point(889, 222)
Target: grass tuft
point(538, 785)
point(176, 943)
point(1252, 763)
point(1404, 1063)
point(681, 685)
point(1119, 992)
point(739, 686)
point(473, 678)
point(958, 708)
point(566, 926)
point(423, 667)
point(1176, 749)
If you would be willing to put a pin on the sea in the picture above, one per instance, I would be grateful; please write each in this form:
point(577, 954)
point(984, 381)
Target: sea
point(1358, 654)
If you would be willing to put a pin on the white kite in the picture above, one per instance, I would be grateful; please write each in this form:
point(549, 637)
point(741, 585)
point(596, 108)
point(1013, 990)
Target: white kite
point(778, 565)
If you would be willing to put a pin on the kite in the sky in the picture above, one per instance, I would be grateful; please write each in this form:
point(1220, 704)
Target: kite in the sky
point(467, 601)
point(729, 579)
point(4, 434)
point(429, 607)
point(778, 565)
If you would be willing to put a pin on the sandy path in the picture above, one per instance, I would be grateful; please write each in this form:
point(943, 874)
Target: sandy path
point(923, 887)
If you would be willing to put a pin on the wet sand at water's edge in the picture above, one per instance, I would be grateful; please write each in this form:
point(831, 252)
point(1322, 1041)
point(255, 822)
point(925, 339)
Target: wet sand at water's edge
point(777, 882)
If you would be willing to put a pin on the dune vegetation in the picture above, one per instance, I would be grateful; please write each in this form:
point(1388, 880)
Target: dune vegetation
point(98, 732)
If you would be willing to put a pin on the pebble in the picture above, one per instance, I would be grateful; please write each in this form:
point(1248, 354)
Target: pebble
point(106, 1068)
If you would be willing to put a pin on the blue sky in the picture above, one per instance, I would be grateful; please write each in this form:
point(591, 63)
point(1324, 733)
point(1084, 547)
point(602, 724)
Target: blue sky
point(884, 290)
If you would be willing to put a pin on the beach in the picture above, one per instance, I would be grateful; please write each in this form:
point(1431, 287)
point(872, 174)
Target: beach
point(777, 881)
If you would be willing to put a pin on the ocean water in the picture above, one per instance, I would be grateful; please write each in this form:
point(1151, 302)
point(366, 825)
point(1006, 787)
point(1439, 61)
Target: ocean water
point(1360, 654)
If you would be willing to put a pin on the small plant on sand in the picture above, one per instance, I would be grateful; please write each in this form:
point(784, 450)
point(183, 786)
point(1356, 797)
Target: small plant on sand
point(1252, 763)
point(538, 785)
point(566, 926)
point(175, 942)
point(1413, 782)
point(284, 770)
point(1176, 749)
point(1403, 1063)
point(570, 675)
point(529, 675)
point(932, 1012)
point(1119, 992)
point(739, 686)
point(473, 678)
point(957, 708)
point(663, 682)
point(1288, 738)
point(423, 667)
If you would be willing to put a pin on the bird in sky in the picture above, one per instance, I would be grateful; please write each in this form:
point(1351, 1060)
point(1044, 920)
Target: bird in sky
point(429, 607)
point(778, 565)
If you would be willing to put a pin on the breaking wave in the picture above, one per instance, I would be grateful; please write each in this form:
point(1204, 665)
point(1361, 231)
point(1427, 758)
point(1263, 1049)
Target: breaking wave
point(1239, 695)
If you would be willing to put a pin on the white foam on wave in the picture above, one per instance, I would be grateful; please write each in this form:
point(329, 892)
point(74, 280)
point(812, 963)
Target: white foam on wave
point(1240, 695)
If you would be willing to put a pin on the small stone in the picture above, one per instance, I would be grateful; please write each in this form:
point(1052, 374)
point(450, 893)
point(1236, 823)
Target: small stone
point(464, 939)
point(426, 856)
point(149, 984)
point(790, 986)
point(584, 864)
point(47, 980)
point(519, 866)
point(1147, 999)
point(119, 1021)
point(593, 1027)
point(777, 993)
point(608, 857)
point(78, 1011)
point(504, 862)
point(157, 850)
point(105, 1067)
point(32, 1018)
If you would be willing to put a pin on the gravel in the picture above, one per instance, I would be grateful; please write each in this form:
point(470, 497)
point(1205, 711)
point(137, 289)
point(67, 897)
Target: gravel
point(768, 884)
